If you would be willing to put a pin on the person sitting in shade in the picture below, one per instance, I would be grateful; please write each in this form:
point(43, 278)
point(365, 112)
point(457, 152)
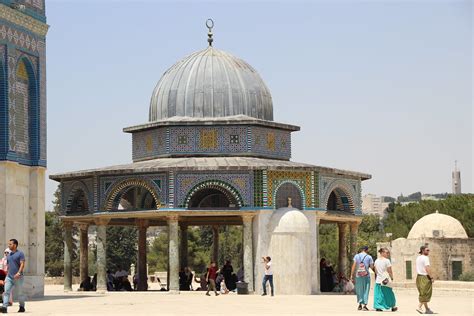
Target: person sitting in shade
point(202, 282)
point(86, 284)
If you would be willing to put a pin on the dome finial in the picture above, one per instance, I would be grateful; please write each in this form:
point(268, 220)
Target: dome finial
point(210, 25)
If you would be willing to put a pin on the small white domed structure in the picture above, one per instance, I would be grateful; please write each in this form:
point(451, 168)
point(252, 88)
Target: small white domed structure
point(291, 251)
point(451, 249)
point(437, 225)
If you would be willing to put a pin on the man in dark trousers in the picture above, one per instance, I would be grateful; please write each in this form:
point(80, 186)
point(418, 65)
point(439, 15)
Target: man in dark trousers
point(16, 265)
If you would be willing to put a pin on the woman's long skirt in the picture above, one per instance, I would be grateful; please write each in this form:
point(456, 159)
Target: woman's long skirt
point(383, 297)
point(362, 288)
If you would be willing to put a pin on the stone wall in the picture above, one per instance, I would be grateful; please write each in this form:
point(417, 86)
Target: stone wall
point(22, 203)
point(443, 252)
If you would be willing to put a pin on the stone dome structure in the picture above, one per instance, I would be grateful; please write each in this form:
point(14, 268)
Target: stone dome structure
point(211, 83)
point(437, 225)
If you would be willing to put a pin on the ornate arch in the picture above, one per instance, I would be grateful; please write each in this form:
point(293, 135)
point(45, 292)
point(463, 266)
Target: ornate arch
point(113, 197)
point(26, 79)
point(77, 188)
point(296, 184)
point(228, 190)
point(343, 191)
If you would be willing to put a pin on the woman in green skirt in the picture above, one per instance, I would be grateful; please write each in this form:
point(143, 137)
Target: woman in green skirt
point(383, 294)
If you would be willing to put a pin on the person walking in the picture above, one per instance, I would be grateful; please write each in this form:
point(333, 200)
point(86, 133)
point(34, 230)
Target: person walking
point(383, 293)
point(362, 262)
point(267, 264)
point(424, 280)
point(211, 276)
point(3, 273)
point(16, 265)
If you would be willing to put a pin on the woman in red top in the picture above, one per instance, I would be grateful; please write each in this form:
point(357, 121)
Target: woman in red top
point(211, 278)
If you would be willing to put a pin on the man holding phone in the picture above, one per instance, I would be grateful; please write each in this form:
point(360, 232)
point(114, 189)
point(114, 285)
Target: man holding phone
point(268, 277)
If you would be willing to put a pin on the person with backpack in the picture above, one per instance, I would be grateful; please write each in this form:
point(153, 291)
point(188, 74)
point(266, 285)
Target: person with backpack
point(360, 269)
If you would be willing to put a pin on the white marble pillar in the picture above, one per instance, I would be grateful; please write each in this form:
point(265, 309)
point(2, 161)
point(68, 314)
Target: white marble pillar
point(101, 241)
point(248, 251)
point(173, 253)
point(67, 256)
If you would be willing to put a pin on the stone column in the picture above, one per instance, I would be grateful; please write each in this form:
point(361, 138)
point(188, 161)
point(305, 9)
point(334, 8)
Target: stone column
point(183, 245)
point(342, 264)
point(173, 253)
point(141, 264)
point(354, 229)
point(248, 251)
point(67, 255)
point(315, 284)
point(84, 251)
point(101, 254)
point(215, 244)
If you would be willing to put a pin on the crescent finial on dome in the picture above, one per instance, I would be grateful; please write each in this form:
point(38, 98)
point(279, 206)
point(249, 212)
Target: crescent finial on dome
point(210, 25)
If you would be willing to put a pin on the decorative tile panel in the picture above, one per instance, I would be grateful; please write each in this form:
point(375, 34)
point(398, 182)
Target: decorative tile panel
point(158, 181)
point(302, 179)
point(240, 181)
point(350, 187)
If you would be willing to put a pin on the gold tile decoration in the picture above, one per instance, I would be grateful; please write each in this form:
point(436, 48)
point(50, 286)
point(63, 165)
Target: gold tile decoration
point(149, 143)
point(21, 72)
point(301, 178)
point(271, 141)
point(208, 139)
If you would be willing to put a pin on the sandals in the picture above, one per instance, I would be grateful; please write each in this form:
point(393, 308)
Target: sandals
point(365, 308)
point(359, 308)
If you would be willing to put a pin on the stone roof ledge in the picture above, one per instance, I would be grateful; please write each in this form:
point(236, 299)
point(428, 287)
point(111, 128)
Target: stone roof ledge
point(225, 120)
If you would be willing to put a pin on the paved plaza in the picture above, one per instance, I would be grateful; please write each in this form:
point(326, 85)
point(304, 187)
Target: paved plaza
point(56, 302)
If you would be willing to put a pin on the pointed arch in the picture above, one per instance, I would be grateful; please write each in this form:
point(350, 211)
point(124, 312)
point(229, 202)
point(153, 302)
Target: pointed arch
point(27, 113)
point(144, 196)
point(225, 194)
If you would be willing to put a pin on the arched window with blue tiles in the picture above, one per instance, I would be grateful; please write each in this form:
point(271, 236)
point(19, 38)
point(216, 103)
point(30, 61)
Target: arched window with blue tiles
point(26, 113)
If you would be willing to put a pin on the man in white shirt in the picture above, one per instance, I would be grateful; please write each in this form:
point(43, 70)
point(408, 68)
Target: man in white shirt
point(267, 261)
point(424, 280)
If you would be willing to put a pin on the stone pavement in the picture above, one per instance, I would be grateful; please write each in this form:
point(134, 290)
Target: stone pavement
point(56, 302)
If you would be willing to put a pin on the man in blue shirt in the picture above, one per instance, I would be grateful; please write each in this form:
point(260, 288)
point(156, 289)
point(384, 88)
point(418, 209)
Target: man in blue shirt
point(16, 265)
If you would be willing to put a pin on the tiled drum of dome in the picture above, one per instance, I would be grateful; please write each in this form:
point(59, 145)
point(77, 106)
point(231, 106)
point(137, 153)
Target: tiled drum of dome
point(271, 142)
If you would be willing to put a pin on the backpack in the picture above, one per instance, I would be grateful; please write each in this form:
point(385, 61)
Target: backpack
point(362, 270)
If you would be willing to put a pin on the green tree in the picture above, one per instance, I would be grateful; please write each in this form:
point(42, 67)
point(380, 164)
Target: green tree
point(157, 256)
point(54, 241)
point(401, 218)
point(121, 247)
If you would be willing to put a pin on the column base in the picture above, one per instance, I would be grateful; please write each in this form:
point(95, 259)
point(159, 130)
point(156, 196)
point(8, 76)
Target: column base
point(173, 292)
point(33, 286)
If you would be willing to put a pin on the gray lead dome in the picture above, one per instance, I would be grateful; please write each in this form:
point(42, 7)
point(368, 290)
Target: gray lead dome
point(211, 83)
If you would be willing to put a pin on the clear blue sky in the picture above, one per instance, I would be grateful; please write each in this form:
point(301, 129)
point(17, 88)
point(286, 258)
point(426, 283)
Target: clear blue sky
point(383, 88)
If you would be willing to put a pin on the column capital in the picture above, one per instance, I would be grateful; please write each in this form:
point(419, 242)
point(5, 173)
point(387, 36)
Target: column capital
point(101, 221)
point(83, 227)
point(173, 218)
point(354, 225)
point(342, 225)
point(68, 224)
point(247, 217)
point(142, 223)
